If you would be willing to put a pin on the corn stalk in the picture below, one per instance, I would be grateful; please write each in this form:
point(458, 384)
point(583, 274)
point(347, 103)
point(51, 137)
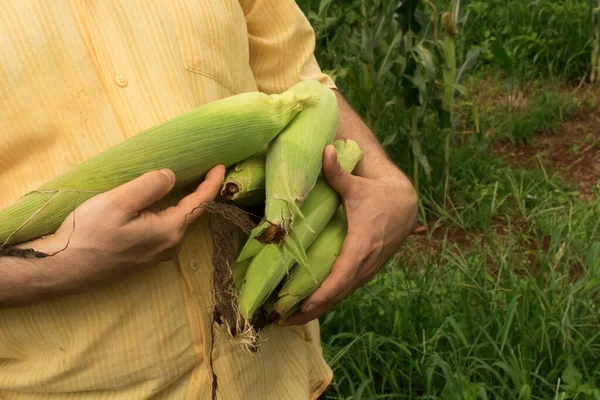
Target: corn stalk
point(450, 24)
point(596, 50)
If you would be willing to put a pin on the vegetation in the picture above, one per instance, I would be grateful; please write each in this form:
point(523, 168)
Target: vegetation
point(489, 107)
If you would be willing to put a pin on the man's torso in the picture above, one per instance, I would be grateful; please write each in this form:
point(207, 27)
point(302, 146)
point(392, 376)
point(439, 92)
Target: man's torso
point(76, 77)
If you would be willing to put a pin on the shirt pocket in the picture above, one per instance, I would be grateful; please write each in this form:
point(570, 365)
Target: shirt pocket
point(213, 41)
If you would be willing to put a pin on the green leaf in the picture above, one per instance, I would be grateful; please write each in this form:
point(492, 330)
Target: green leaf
point(426, 59)
point(293, 246)
point(420, 84)
point(389, 60)
point(420, 156)
point(571, 376)
point(470, 61)
point(323, 5)
point(389, 140)
point(525, 392)
point(406, 16)
point(501, 55)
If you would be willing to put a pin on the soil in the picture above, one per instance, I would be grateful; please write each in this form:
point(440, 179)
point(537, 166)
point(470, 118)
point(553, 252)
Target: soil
point(573, 152)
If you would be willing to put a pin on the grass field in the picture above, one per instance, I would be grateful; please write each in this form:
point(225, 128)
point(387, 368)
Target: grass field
point(496, 294)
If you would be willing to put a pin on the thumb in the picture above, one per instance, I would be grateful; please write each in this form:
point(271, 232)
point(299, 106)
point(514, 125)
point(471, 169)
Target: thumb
point(189, 208)
point(338, 178)
point(144, 191)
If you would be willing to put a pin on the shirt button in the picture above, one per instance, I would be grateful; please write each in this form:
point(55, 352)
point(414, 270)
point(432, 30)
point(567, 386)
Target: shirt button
point(121, 80)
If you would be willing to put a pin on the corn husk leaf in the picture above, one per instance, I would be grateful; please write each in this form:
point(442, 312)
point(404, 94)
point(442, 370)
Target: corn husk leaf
point(222, 132)
point(294, 158)
point(322, 254)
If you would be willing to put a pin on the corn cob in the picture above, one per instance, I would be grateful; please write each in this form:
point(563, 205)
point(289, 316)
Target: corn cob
point(322, 254)
point(294, 161)
point(346, 158)
point(272, 263)
point(245, 182)
point(222, 132)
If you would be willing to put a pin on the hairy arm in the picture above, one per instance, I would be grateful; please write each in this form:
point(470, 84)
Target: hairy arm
point(117, 233)
point(375, 163)
point(24, 280)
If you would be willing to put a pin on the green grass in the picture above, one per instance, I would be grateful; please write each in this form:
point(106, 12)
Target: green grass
point(545, 38)
point(543, 113)
point(515, 315)
point(503, 320)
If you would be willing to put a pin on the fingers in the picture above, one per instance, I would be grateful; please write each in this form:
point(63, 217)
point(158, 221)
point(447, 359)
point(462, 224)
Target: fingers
point(142, 192)
point(188, 210)
point(339, 179)
point(340, 283)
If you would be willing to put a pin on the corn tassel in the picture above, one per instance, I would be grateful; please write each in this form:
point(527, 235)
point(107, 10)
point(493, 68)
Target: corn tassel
point(272, 263)
point(222, 132)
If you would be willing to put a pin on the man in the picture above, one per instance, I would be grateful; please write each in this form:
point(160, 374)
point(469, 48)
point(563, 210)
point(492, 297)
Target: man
point(124, 311)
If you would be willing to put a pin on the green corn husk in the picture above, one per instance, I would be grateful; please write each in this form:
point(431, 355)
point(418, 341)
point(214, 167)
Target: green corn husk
point(272, 263)
point(251, 248)
point(239, 269)
point(347, 159)
point(225, 132)
point(322, 254)
point(245, 182)
point(294, 160)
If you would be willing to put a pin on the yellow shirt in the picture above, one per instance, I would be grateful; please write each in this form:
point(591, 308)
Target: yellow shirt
point(78, 76)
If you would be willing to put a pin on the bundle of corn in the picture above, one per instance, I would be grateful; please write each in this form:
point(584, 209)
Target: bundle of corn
point(226, 132)
point(264, 271)
point(275, 145)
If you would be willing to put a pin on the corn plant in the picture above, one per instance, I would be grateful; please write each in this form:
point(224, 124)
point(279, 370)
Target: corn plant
point(595, 8)
point(386, 57)
point(417, 81)
point(450, 24)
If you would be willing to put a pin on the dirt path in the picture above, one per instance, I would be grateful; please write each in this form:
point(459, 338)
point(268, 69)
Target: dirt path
point(574, 151)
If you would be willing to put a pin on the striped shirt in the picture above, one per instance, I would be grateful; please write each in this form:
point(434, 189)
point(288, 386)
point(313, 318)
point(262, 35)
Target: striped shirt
point(79, 76)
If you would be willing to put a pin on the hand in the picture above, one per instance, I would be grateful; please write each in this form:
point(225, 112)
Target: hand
point(381, 213)
point(122, 230)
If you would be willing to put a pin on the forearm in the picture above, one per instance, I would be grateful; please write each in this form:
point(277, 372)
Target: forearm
point(375, 163)
point(23, 281)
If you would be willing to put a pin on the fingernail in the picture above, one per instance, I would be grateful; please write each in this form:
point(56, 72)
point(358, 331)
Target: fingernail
point(169, 174)
point(310, 307)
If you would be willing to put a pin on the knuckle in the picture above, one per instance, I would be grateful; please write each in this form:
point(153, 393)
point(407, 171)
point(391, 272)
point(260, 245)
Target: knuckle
point(122, 204)
point(174, 239)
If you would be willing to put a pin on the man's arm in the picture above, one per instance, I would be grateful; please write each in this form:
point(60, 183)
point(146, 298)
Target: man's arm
point(24, 281)
point(375, 163)
point(117, 233)
point(381, 207)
